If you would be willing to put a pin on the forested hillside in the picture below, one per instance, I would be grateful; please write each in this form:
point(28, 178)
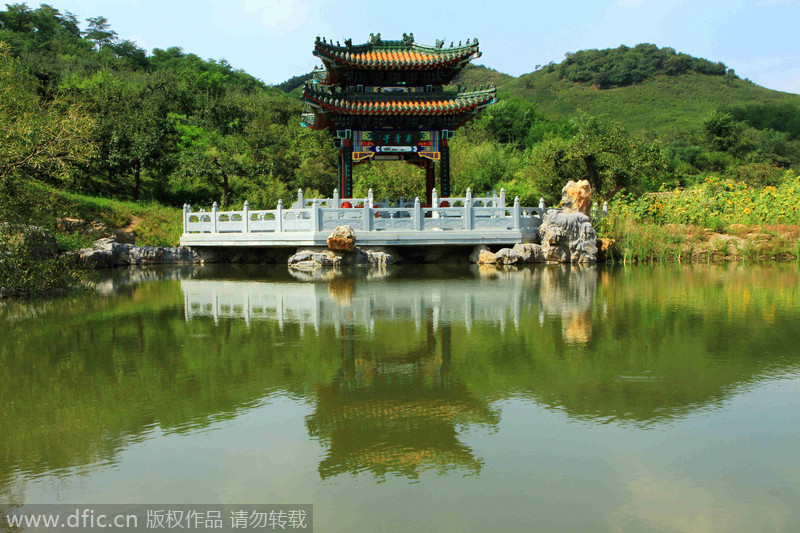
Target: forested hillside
point(169, 126)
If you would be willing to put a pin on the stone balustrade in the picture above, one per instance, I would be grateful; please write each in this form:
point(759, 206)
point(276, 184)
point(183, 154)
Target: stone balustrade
point(458, 221)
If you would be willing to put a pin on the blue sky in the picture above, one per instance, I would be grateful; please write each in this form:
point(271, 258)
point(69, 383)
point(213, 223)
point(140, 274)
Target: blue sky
point(273, 39)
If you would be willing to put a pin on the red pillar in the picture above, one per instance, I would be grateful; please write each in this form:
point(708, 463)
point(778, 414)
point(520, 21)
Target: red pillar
point(444, 167)
point(430, 181)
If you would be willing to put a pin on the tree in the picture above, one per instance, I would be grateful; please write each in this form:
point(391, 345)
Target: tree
point(40, 139)
point(601, 152)
point(723, 133)
point(99, 32)
point(212, 163)
point(132, 113)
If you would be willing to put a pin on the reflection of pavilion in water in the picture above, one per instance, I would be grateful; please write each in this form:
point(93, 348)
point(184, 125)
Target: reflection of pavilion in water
point(396, 415)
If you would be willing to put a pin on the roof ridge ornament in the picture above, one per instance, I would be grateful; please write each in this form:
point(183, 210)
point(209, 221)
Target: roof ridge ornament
point(374, 39)
point(408, 39)
point(439, 44)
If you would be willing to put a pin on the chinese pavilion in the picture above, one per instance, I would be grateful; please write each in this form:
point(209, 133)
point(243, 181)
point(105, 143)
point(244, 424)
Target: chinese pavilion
point(386, 100)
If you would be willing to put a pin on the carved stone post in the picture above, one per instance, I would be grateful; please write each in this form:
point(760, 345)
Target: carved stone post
point(279, 216)
point(417, 215)
point(517, 213)
point(186, 211)
point(336, 202)
point(246, 217)
point(214, 217)
point(316, 216)
point(468, 210)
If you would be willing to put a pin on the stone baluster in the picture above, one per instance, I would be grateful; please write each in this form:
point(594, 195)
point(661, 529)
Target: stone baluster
point(279, 216)
point(369, 197)
point(316, 216)
point(541, 208)
point(502, 197)
point(468, 210)
point(214, 217)
point(434, 198)
point(517, 213)
point(301, 202)
point(336, 202)
point(246, 217)
point(367, 217)
point(417, 215)
point(186, 213)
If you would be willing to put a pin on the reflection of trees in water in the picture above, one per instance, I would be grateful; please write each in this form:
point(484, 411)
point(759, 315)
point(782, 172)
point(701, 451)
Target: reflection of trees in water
point(396, 414)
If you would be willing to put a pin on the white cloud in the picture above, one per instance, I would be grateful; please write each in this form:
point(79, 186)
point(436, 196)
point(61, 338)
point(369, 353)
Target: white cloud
point(282, 15)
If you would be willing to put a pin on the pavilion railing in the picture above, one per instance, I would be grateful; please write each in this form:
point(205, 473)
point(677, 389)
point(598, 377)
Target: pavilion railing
point(364, 214)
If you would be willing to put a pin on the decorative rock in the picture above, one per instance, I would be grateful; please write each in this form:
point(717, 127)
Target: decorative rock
point(316, 258)
point(125, 237)
point(108, 253)
point(507, 256)
point(69, 224)
point(568, 237)
point(530, 253)
point(520, 254)
point(342, 239)
point(576, 197)
point(89, 227)
point(476, 253)
point(38, 242)
point(487, 258)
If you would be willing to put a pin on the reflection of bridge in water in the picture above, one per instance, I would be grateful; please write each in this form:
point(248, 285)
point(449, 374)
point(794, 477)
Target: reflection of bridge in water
point(348, 301)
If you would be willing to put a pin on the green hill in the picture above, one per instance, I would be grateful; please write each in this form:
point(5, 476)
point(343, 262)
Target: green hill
point(475, 75)
point(646, 96)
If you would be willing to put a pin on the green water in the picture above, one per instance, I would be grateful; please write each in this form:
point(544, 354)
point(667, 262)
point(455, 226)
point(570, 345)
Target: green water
point(417, 399)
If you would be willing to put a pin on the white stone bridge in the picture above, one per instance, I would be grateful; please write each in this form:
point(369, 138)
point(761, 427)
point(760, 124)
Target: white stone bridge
point(448, 221)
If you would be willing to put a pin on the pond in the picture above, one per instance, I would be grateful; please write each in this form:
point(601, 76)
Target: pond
point(447, 398)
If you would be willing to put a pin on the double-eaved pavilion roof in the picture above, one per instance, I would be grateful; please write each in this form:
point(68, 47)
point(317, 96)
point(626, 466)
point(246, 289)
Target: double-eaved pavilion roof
point(391, 85)
point(398, 103)
point(405, 54)
point(341, 62)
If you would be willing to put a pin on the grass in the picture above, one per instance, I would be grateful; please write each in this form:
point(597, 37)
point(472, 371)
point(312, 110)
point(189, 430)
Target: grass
point(154, 224)
point(657, 243)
